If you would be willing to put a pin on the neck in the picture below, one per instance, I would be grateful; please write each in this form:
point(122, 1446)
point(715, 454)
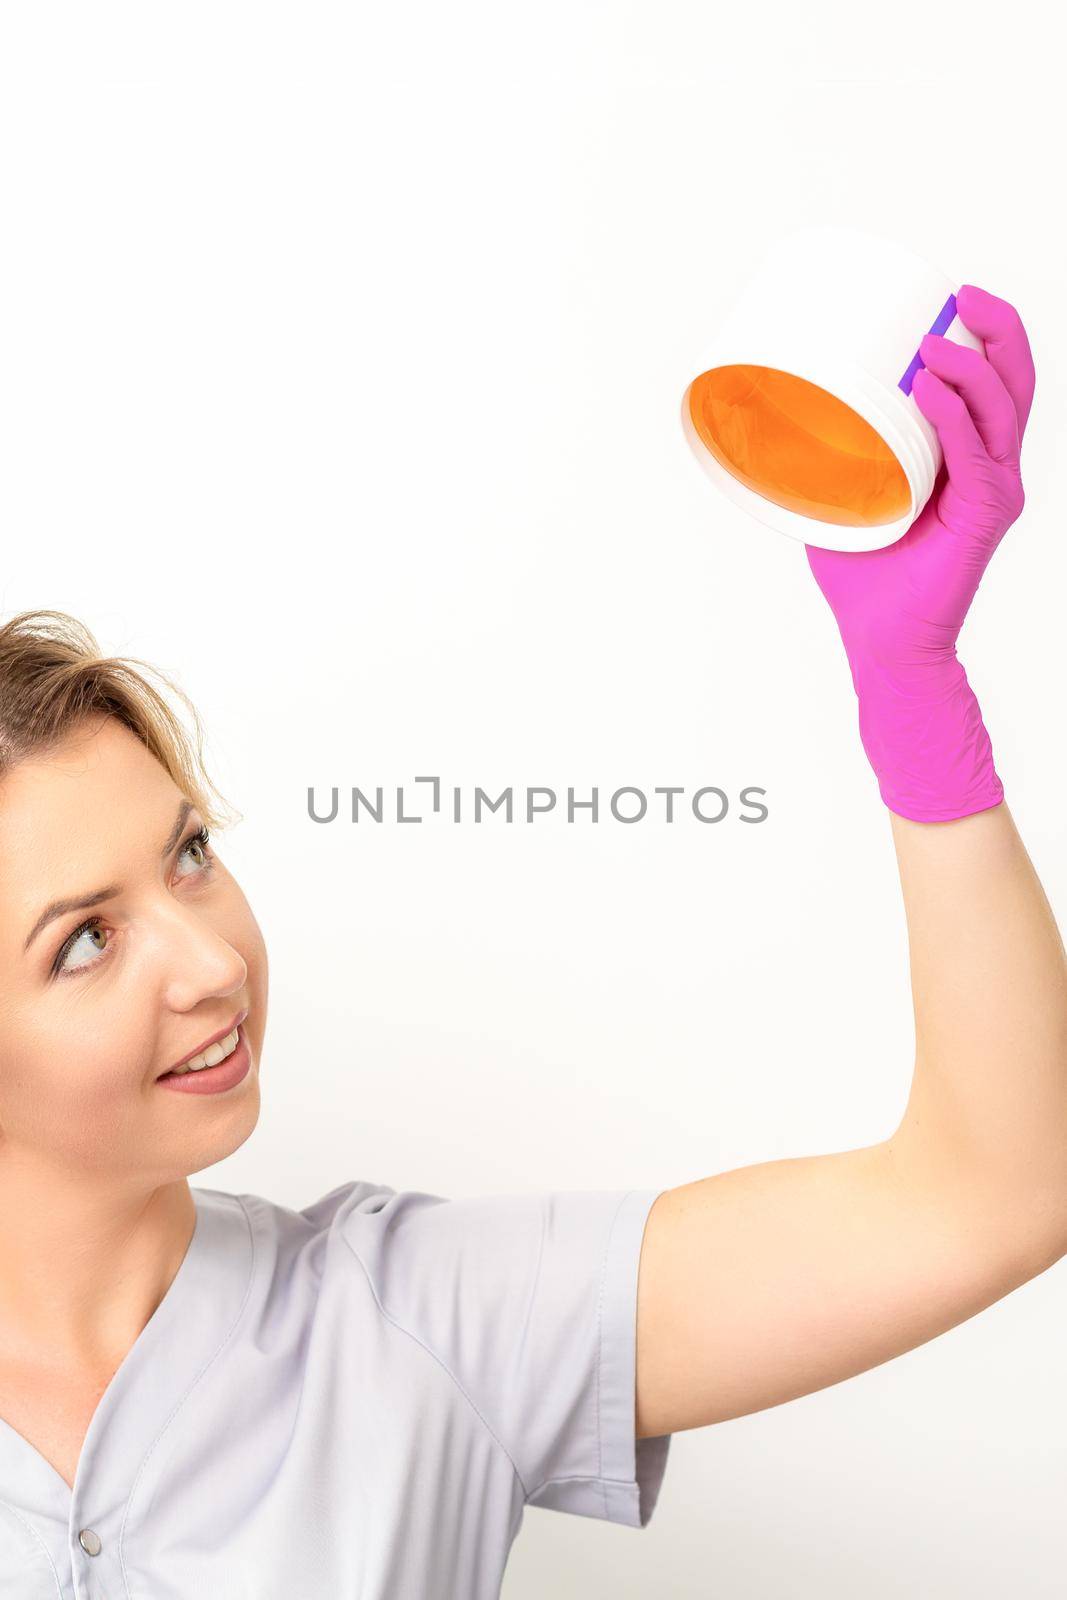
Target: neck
point(83, 1265)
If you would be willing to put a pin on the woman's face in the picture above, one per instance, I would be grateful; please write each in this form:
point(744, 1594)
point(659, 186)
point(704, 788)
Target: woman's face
point(172, 954)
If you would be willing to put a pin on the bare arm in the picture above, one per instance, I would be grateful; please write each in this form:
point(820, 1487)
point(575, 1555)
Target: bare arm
point(770, 1281)
point(989, 987)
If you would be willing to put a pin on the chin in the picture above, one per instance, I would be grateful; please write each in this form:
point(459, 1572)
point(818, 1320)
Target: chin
point(230, 1132)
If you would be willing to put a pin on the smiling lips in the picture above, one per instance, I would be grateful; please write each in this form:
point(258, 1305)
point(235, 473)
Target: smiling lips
point(210, 1054)
point(207, 1080)
point(207, 1058)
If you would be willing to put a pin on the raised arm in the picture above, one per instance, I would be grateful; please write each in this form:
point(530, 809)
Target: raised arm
point(770, 1281)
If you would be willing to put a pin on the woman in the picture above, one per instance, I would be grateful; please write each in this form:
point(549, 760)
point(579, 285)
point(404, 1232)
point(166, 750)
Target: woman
point(205, 1393)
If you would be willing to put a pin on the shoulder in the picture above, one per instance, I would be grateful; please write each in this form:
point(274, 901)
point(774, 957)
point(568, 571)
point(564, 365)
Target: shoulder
point(286, 1237)
point(417, 1252)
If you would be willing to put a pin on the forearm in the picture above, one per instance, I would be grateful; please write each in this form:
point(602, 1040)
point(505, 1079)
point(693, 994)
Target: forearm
point(989, 988)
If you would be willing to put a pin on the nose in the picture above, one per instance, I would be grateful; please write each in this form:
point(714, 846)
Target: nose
point(198, 960)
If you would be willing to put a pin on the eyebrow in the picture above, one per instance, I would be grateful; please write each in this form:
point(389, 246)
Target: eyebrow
point(60, 908)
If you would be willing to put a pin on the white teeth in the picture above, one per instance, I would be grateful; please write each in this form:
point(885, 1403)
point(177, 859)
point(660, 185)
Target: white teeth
point(212, 1055)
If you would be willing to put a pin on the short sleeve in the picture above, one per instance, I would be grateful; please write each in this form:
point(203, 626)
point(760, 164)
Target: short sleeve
point(530, 1301)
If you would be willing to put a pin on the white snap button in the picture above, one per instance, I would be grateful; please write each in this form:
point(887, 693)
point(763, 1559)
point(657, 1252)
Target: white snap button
point(89, 1541)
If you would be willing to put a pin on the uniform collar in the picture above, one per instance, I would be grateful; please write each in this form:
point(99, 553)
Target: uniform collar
point(184, 1334)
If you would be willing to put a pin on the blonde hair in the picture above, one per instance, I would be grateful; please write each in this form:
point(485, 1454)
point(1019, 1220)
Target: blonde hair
point(53, 679)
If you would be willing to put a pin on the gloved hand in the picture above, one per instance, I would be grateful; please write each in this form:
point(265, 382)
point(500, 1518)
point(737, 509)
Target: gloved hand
point(900, 609)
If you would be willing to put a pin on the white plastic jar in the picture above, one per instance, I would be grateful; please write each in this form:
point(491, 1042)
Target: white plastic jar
point(802, 413)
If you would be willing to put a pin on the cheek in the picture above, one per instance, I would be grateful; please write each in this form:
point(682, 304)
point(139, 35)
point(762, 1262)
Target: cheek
point(66, 1086)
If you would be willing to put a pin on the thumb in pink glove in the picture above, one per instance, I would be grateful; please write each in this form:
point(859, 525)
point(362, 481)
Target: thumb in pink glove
point(900, 609)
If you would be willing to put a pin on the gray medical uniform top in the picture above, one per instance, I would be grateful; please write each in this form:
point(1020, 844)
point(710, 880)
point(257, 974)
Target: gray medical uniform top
point(353, 1400)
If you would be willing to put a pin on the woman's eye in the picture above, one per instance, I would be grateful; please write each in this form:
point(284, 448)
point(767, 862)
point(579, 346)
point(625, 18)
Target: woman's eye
point(82, 933)
point(203, 860)
point(198, 843)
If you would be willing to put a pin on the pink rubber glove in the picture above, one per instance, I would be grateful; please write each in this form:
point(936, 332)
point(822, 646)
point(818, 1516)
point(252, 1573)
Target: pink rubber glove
point(900, 609)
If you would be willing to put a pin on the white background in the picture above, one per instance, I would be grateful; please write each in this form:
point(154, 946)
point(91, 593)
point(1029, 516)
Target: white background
point(342, 355)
